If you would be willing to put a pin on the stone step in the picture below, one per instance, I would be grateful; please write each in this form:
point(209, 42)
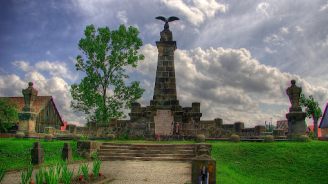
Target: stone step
point(144, 147)
point(146, 155)
point(145, 151)
point(148, 145)
point(104, 158)
point(164, 152)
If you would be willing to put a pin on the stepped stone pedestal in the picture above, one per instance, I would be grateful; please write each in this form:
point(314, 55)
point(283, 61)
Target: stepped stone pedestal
point(27, 118)
point(296, 124)
point(296, 118)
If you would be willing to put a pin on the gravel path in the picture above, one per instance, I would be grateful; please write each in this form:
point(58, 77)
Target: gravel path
point(133, 172)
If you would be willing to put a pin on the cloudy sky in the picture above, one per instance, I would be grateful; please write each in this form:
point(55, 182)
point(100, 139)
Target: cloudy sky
point(235, 57)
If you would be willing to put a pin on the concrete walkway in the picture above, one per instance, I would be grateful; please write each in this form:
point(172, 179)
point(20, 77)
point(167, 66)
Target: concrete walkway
point(133, 172)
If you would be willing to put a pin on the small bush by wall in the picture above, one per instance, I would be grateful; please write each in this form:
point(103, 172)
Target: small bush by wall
point(268, 138)
point(234, 138)
point(20, 135)
point(200, 138)
point(304, 138)
point(48, 137)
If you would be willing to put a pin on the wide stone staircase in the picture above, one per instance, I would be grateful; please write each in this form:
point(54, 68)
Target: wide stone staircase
point(145, 152)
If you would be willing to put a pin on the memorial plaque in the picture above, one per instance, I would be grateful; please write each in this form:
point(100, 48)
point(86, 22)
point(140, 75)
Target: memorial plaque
point(163, 122)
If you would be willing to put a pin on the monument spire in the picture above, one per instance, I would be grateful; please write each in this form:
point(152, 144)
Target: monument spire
point(165, 95)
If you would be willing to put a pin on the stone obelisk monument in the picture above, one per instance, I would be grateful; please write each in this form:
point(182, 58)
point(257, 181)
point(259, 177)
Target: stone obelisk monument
point(165, 93)
point(296, 118)
point(28, 115)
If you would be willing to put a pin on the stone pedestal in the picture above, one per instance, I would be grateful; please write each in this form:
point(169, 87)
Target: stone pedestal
point(37, 154)
point(27, 123)
point(296, 124)
point(67, 152)
point(27, 117)
point(203, 166)
point(203, 170)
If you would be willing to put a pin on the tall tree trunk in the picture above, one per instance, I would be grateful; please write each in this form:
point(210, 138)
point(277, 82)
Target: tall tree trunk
point(315, 127)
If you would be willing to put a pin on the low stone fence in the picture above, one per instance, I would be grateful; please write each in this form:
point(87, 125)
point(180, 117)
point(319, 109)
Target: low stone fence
point(5, 135)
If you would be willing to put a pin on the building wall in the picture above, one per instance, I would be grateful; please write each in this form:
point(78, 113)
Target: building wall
point(47, 118)
point(324, 132)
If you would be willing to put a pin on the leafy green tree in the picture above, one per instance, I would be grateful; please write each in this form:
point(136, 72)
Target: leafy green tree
point(103, 93)
point(8, 115)
point(312, 110)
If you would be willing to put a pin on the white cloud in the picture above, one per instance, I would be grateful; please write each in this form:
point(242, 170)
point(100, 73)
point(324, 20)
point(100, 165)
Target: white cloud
point(122, 16)
point(196, 11)
point(324, 7)
point(54, 68)
point(11, 85)
point(324, 43)
point(275, 39)
point(229, 83)
point(298, 29)
point(270, 51)
point(263, 8)
point(23, 65)
point(284, 30)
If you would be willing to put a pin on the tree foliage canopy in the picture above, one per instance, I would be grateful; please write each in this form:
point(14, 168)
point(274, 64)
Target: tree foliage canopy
point(312, 108)
point(103, 93)
point(8, 115)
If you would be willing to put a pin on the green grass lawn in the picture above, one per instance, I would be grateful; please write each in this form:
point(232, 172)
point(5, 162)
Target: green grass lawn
point(244, 162)
point(265, 163)
point(15, 153)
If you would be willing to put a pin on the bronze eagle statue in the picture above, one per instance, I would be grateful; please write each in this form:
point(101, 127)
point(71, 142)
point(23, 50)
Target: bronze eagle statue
point(167, 20)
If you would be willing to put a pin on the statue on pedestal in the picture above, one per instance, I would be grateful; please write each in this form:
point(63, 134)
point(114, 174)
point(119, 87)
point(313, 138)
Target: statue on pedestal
point(29, 96)
point(166, 34)
point(296, 118)
point(294, 93)
point(27, 118)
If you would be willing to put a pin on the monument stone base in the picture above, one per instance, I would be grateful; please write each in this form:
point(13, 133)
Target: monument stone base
point(296, 124)
point(27, 123)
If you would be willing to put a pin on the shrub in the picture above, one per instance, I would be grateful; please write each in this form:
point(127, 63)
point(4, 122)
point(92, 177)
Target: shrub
point(200, 138)
point(234, 138)
point(110, 136)
point(303, 138)
point(311, 135)
point(124, 136)
point(20, 135)
point(84, 137)
point(94, 155)
point(48, 137)
point(77, 137)
point(84, 170)
point(268, 138)
point(26, 175)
